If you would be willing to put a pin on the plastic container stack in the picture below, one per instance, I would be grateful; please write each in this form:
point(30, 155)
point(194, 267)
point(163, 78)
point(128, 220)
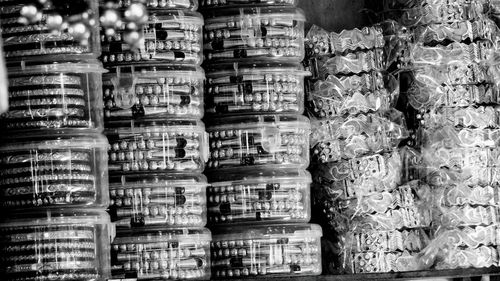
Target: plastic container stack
point(53, 156)
point(153, 105)
point(374, 221)
point(259, 194)
point(451, 80)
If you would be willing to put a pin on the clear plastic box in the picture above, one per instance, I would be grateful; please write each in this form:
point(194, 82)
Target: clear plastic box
point(36, 41)
point(167, 200)
point(259, 196)
point(153, 90)
point(54, 95)
point(170, 36)
point(245, 3)
point(271, 141)
point(279, 250)
point(253, 33)
point(64, 245)
point(255, 88)
point(64, 169)
point(153, 5)
point(175, 254)
point(157, 145)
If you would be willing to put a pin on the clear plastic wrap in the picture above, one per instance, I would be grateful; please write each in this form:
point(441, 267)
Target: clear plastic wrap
point(482, 51)
point(346, 138)
point(36, 41)
point(259, 140)
point(157, 145)
point(173, 200)
point(60, 170)
point(245, 3)
point(354, 63)
point(255, 88)
point(154, 5)
point(259, 196)
point(280, 250)
point(470, 117)
point(170, 36)
point(73, 245)
point(153, 90)
point(54, 95)
point(248, 34)
point(471, 30)
point(175, 254)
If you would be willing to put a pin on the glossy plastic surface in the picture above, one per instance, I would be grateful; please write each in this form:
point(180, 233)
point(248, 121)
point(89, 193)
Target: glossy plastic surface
point(245, 3)
point(259, 196)
point(153, 5)
point(157, 145)
point(60, 170)
point(176, 254)
point(153, 90)
point(255, 88)
point(173, 200)
point(73, 244)
point(54, 96)
point(170, 36)
point(277, 141)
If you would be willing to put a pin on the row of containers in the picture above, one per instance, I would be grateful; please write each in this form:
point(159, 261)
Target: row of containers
point(102, 161)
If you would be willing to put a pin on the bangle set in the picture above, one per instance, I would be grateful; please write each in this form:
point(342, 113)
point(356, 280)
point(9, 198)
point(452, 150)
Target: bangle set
point(355, 63)
point(481, 257)
point(163, 4)
point(442, 13)
point(377, 261)
point(244, 3)
point(482, 28)
point(481, 117)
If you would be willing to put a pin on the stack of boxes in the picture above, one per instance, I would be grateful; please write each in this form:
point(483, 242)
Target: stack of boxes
point(153, 106)
point(376, 222)
point(53, 158)
point(453, 85)
point(259, 194)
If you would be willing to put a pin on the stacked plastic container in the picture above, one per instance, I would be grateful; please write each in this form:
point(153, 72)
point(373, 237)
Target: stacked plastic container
point(452, 83)
point(376, 222)
point(259, 194)
point(153, 106)
point(53, 156)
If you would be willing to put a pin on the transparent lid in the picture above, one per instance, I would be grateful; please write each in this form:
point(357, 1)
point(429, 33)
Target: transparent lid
point(54, 217)
point(36, 67)
point(274, 13)
point(257, 175)
point(153, 125)
point(156, 180)
point(54, 140)
point(154, 235)
point(257, 68)
point(263, 232)
point(250, 121)
point(157, 70)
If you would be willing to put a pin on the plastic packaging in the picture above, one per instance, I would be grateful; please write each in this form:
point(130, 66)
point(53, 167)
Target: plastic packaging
point(36, 41)
point(52, 244)
point(153, 90)
point(255, 88)
point(154, 5)
point(443, 13)
point(279, 250)
point(253, 33)
point(157, 145)
point(60, 170)
point(54, 96)
point(482, 28)
point(245, 3)
point(170, 36)
point(175, 254)
point(173, 200)
point(262, 141)
point(259, 196)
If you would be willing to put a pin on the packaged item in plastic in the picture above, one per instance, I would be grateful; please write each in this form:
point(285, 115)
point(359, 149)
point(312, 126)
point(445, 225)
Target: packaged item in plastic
point(259, 196)
point(166, 200)
point(245, 3)
point(52, 244)
point(36, 41)
point(157, 145)
point(482, 51)
point(259, 140)
point(355, 63)
point(443, 12)
point(153, 90)
point(170, 36)
point(162, 254)
point(481, 117)
point(468, 30)
point(250, 88)
point(366, 38)
point(65, 169)
point(252, 33)
point(411, 240)
point(54, 95)
point(379, 262)
point(278, 250)
point(154, 5)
